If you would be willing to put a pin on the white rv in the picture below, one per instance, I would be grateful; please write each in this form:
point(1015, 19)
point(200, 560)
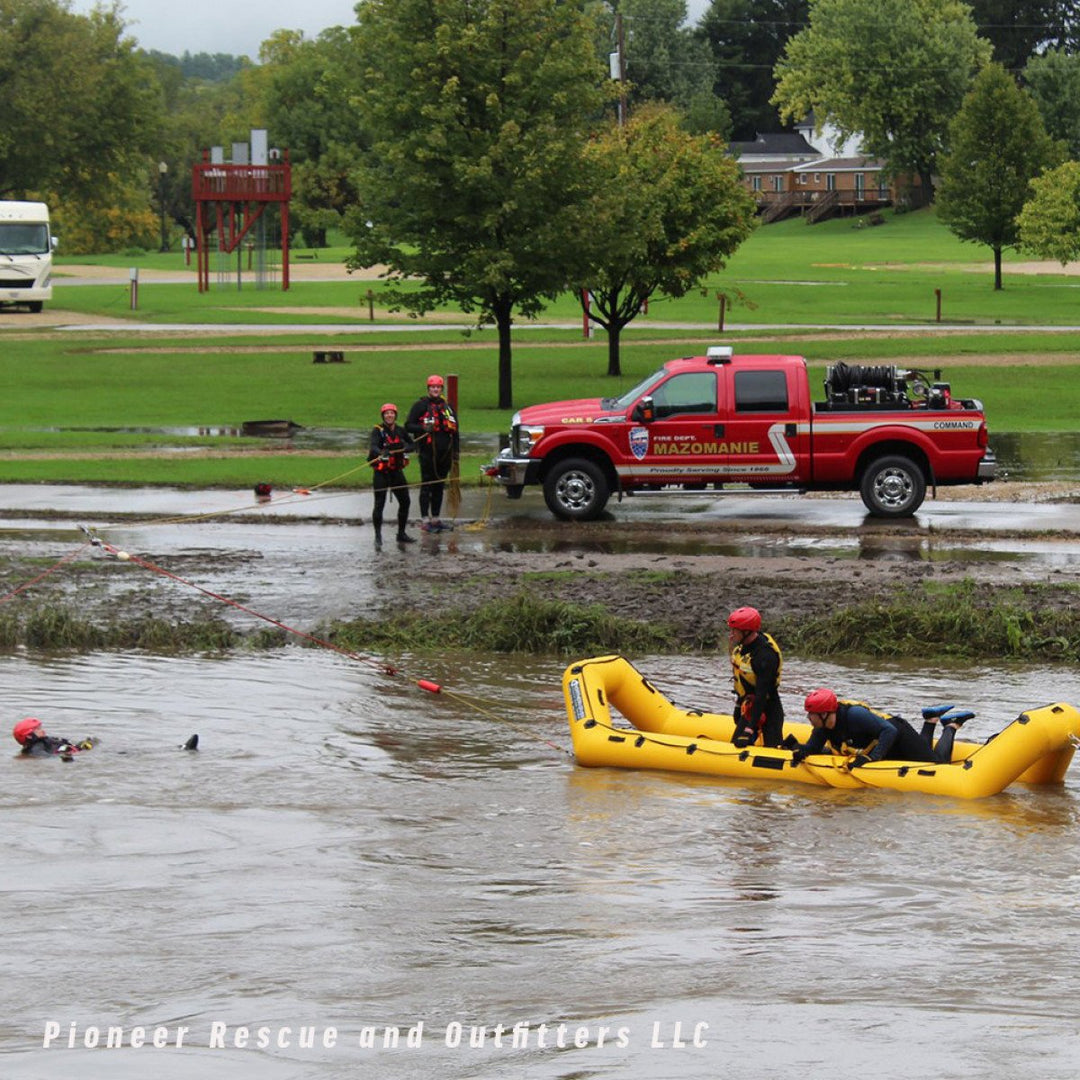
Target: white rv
point(26, 249)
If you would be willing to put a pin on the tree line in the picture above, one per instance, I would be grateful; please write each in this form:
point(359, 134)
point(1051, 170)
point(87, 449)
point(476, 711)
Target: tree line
point(486, 151)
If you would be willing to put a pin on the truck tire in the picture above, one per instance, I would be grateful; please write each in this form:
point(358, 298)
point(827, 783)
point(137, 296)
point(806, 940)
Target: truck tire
point(36, 306)
point(515, 491)
point(576, 490)
point(893, 487)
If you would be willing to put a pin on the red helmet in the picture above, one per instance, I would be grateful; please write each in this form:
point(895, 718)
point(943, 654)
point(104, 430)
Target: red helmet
point(821, 700)
point(25, 728)
point(388, 407)
point(435, 380)
point(745, 618)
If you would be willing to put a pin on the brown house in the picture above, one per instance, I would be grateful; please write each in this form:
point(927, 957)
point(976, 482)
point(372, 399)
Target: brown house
point(790, 174)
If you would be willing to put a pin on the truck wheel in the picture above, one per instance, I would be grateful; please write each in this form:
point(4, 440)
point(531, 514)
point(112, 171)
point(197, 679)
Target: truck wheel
point(514, 491)
point(893, 487)
point(36, 306)
point(576, 490)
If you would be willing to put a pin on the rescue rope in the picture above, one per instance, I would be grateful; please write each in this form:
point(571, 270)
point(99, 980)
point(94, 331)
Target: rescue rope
point(45, 573)
point(693, 747)
point(383, 666)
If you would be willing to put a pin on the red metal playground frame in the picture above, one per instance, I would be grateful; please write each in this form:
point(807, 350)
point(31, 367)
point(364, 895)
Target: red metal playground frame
point(234, 197)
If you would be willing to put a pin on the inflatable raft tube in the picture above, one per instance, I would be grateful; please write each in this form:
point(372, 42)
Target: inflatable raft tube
point(1036, 748)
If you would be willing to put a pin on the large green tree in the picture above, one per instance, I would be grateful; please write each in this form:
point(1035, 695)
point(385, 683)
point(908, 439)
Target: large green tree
point(1021, 29)
point(668, 208)
point(998, 145)
point(80, 105)
point(1054, 81)
point(1050, 221)
point(747, 38)
point(891, 71)
point(475, 184)
point(311, 108)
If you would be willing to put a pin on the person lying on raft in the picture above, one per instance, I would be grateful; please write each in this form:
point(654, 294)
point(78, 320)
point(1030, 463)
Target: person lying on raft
point(30, 735)
point(876, 735)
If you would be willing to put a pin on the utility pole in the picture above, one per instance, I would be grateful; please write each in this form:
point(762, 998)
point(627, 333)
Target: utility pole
point(163, 169)
point(620, 47)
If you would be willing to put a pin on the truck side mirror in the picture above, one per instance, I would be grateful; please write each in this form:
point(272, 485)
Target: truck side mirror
point(644, 411)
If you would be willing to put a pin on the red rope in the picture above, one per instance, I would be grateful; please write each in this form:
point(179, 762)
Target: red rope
point(44, 574)
point(386, 668)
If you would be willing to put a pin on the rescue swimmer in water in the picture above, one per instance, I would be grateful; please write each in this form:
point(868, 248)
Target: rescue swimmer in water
point(30, 734)
point(756, 664)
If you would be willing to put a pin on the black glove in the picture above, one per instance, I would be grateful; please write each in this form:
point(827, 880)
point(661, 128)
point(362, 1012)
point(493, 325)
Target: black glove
point(385, 455)
point(858, 760)
point(798, 755)
point(743, 737)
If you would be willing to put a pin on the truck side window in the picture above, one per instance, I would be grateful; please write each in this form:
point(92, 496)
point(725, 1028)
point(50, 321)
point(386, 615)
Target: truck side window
point(761, 391)
point(693, 392)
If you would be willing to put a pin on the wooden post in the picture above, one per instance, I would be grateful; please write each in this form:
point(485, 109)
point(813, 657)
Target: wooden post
point(723, 308)
point(937, 293)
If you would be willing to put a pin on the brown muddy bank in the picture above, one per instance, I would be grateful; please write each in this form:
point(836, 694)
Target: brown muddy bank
point(529, 584)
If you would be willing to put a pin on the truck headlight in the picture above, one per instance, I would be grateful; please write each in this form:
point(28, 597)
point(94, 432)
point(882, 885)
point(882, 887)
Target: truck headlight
point(525, 438)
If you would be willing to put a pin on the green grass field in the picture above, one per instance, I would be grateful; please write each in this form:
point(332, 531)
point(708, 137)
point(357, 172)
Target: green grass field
point(82, 406)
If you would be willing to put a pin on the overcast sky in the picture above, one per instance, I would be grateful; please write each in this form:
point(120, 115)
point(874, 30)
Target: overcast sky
point(237, 26)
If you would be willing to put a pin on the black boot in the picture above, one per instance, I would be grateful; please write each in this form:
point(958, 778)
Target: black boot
point(404, 538)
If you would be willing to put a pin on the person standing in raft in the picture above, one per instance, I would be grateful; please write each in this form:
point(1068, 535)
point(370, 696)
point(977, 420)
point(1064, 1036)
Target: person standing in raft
point(432, 424)
point(756, 663)
point(874, 734)
point(30, 735)
point(386, 454)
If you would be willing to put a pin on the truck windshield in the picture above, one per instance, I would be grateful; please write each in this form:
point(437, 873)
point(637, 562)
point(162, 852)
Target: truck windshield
point(628, 399)
point(19, 238)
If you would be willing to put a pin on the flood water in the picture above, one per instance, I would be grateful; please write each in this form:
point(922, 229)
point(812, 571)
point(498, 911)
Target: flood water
point(348, 852)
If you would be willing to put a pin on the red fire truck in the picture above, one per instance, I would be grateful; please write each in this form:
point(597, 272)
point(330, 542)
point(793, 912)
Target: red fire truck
point(725, 423)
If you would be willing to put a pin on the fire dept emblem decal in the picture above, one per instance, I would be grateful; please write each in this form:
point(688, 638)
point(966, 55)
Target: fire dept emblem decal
point(639, 442)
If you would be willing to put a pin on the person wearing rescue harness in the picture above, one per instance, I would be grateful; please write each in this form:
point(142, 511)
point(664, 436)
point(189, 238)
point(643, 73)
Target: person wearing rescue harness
point(756, 663)
point(434, 427)
point(876, 735)
point(30, 735)
point(386, 454)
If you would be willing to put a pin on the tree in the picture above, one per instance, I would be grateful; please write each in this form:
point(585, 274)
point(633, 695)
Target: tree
point(998, 145)
point(1021, 29)
point(81, 106)
point(308, 88)
point(1054, 82)
point(663, 58)
point(891, 71)
point(1050, 221)
point(747, 38)
point(475, 183)
point(667, 209)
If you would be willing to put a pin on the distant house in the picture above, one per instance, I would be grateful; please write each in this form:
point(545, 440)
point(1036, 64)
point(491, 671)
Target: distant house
point(814, 174)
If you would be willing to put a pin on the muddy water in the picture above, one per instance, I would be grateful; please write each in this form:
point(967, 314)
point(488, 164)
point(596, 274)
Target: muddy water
point(347, 854)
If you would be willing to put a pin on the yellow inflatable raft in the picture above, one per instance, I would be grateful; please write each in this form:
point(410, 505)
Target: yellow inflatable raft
point(1036, 748)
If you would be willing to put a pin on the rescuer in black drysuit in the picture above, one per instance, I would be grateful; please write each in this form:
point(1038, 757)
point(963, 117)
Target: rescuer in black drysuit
point(386, 454)
point(756, 664)
point(876, 735)
point(432, 423)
